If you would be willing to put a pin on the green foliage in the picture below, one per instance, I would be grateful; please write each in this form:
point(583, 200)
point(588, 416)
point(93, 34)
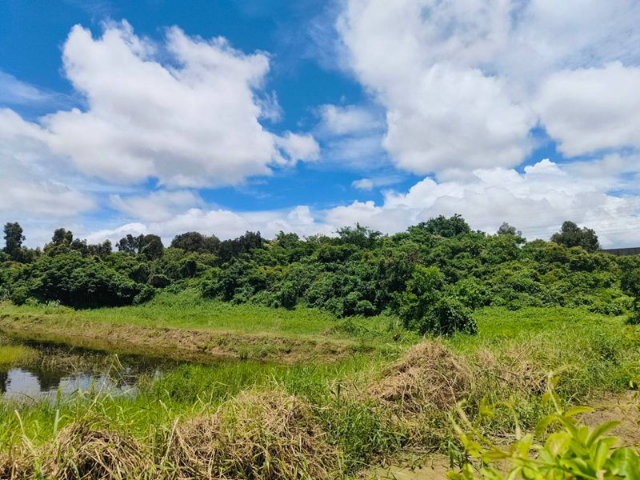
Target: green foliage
point(358, 272)
point(571, 451)
point(13, 239)
point(630, 284)
point(570, 235)
point(444, 227)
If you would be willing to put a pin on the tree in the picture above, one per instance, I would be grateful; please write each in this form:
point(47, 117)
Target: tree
point(130, 244)
point(151, 247)
point(359, 236)
point(570, 235)
point(13, 238)
point(196, 242)
point(630, 284)
point(444, 227)
point(506, 229)
point(62, 237)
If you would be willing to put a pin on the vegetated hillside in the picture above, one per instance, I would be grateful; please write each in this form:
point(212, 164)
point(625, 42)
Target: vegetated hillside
point(433, 275)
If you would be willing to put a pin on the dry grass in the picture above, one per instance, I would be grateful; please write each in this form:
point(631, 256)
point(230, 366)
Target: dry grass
point(82, 451)
point(511, 370)
point(429, 377)
point(268, 435)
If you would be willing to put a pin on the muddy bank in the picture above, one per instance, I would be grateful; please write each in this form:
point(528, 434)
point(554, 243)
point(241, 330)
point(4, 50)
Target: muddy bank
point(175, 343)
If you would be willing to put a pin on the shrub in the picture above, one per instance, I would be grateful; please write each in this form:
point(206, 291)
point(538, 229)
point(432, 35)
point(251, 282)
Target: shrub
point(572, 451)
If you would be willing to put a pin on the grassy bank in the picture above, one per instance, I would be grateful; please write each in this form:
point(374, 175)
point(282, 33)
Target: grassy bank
point(363, 407)
point(186, 327)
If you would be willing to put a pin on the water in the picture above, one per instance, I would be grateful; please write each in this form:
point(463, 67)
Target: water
point(55, 371)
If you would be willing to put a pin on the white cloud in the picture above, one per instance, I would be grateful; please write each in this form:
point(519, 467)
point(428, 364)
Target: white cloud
point(156, 206)
point(375, 182)
point(536, 201)
point(33, 183)
point(13, 91)
point(299, 147)
point(591, 109)
point(191, 121)
point(459, 79)
point(363, 184)
point(223, 223)
point(348, 119)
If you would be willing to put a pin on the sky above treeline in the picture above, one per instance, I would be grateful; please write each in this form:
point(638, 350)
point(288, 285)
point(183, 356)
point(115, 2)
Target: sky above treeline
point(161, 116)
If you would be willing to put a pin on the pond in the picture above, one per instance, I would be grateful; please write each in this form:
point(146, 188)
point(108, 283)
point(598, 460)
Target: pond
point(33, 371)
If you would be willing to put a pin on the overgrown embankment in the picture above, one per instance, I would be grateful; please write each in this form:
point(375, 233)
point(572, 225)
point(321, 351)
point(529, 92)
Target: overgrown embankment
point(177, 343)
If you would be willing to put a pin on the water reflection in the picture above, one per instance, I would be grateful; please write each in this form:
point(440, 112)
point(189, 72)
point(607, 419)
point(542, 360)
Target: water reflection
point(63, 371)
point(35, 383)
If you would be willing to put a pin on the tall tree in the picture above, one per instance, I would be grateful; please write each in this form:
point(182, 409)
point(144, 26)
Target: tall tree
point(443, 226)
point(571, 235)
point(13, 238)
point(62, 237)
point(151, 246)
point(130, 244)
point(506, 229)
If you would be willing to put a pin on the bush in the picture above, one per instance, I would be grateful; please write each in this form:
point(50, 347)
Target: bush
point(146, 294)
point(450, 316)
point(159, 281)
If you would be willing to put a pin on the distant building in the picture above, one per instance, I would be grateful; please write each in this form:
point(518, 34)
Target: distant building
point(623, 251)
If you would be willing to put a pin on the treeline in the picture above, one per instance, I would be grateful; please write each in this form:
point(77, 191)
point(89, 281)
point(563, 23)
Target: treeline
point(433, 275)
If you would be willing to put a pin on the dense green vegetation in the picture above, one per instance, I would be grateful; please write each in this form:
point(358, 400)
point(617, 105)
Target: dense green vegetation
point(433, 275)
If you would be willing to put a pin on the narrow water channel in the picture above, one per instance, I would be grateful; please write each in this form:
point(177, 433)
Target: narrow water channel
point(50, 371)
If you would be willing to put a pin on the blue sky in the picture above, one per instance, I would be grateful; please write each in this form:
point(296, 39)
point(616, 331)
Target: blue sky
point(131, 117)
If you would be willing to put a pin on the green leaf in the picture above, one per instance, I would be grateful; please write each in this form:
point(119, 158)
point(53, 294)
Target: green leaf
point(600, 430)
point(558, 443)
point(577, 411)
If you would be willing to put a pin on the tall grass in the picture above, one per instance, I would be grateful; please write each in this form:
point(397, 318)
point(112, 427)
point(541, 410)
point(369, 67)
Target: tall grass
point(513, 351)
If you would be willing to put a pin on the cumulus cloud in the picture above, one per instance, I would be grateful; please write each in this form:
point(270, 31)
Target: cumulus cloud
point(347, 119)
point(223, 223)
point(536, 201)
point(591, 109)
point(460, 80)
point(189, 120)
point(33, 184)
point(156, 206)
point(299, 147)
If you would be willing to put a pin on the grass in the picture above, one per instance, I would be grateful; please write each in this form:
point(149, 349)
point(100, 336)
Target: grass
point(512, 352)
point(14, 354)
point(186, 327)
point(188, 310)
point(592, 352)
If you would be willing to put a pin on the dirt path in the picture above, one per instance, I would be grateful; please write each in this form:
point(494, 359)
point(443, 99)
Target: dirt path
point(621, 408)
point(432, 467)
